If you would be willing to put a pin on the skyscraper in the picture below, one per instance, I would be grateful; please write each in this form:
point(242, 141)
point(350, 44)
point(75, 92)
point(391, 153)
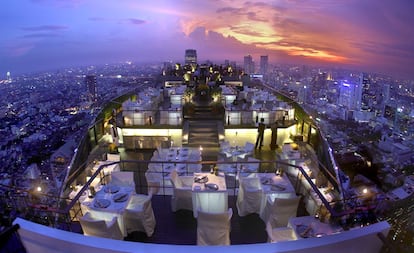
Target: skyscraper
point(350, 95)
point(90, 82)
point(248, 64)
point(264, 62)
point(191, 57)
point(364, 85)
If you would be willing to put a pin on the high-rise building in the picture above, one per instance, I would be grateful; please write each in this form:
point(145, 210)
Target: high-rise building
point(350, 95)
point(191, 57)
point(264, 62)
point(90, 82)
point(386, 93)
point(365, 83)
point(248, 64)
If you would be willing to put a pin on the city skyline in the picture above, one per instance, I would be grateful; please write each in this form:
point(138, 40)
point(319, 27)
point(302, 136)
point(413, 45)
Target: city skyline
point(48, 34)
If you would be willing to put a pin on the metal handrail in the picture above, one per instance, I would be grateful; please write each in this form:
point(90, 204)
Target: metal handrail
point(66, 210)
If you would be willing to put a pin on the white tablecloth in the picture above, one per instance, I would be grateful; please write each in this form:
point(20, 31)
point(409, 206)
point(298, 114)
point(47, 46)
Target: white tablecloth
point(208, 200)
point(114, 209)
point(275, 186)
point(173, 157)
point(234, 152)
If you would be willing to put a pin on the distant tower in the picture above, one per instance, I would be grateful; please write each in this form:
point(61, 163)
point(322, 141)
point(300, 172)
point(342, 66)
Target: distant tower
point(90, 82)
point(264, 62)
point(248, 64)
point(386, 93)
point(191, 57)
point(8, 76)
point(364, 85)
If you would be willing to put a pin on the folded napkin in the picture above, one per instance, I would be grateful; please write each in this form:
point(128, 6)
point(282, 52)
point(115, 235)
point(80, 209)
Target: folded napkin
point(111, 188)
point(265, 180)
point(212, 187)
point(120, 197)
point(102, 203)
point(276, 187)
point(201, 179)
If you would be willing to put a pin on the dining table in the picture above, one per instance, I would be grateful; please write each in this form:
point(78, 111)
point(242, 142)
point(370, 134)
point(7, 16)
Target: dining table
point(170, 159)
point(209, 193)
point(275, 186)
point(234, 152)
point(110, 201)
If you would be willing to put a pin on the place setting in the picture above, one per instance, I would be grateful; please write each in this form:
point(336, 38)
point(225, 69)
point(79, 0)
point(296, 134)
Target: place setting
point(111, 189)
point(266, 181)
point(211, 186)
point(120, 197)
point(201, 179)
point(101, 203)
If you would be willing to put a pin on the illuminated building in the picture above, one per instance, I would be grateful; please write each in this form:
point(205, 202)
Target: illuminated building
point(350, 95)
point(264, 64)
point(249, 67)
point(191, 57)
point(90, 82)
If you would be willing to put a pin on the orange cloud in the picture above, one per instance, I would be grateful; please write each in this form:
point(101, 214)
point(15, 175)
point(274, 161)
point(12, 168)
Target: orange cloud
point(264, 26)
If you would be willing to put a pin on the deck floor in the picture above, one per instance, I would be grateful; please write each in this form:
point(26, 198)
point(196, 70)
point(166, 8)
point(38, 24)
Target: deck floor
point(181, 227)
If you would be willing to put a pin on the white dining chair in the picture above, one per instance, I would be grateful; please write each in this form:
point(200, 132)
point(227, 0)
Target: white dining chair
point(92, 226)
point(249, 196)
point(278, 234)
point(154, 180)
point(214, 228)
point(182, 191)
point(224, 148)
point(281, 209)
point(248, 150)
point(139, 215)
point(123, 178)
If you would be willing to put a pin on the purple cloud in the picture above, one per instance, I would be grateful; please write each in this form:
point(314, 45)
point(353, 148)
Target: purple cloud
point(97, 19)
point(45, 28)
point(136, 21)
point(40, 35)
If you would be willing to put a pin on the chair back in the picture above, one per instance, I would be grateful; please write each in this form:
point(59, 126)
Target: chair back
point(249, 147)
point(277, 234)
point(182, 195)
point(214, 228)
point(251, 184)
point(123, 178)
point(175, 179)
point(249, 197)
point(100, 228)
point(284, 208)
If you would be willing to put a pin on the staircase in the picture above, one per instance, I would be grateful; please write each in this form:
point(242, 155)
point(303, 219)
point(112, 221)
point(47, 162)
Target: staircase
point(203, 133)
point(203, 125)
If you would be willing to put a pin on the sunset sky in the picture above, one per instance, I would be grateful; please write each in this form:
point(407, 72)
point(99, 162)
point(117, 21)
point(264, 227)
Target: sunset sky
point(367, 35)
